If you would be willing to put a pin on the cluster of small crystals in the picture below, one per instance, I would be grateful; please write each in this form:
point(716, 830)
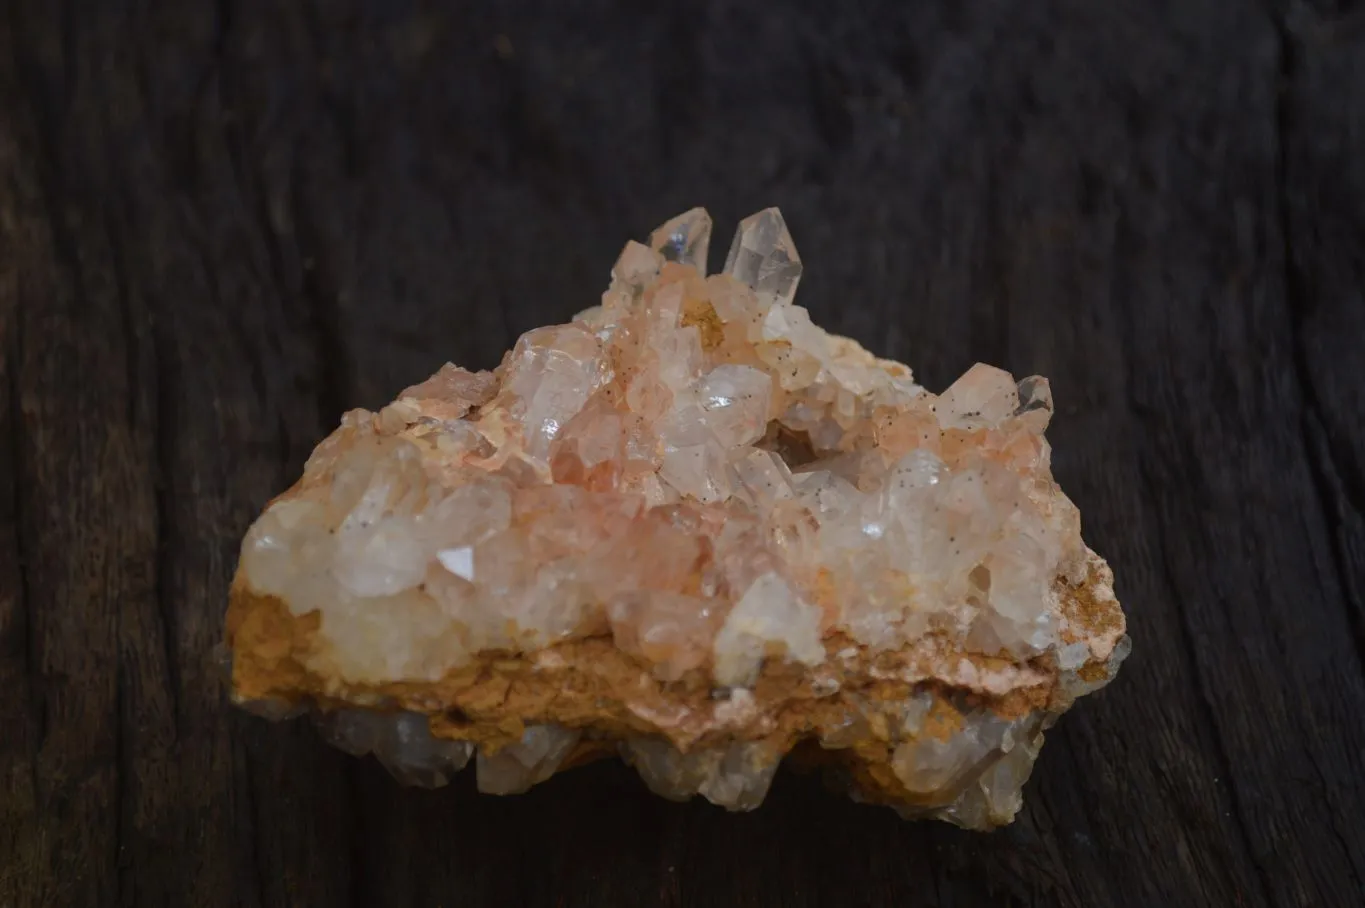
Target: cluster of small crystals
point(736, 776)
point(692, 467)
point(973, 777)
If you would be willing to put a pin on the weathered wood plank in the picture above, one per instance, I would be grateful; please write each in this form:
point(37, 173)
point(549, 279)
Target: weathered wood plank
point(83, 492)
point(1322, 117)
point(24, 850)
point(161, 400)
point(265, 816)
point(222, 224)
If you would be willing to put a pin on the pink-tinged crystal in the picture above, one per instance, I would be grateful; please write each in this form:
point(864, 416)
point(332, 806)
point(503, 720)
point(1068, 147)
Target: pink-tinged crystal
point(692, 527)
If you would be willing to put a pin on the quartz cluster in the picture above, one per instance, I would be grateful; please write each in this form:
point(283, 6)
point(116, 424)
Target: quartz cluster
point(691, 528)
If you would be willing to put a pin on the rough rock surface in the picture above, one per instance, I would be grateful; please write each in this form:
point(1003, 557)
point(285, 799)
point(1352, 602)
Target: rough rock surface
point(692, 527)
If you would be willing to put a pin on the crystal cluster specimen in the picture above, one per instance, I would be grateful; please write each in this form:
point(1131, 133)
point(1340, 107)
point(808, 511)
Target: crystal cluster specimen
point(691, 528)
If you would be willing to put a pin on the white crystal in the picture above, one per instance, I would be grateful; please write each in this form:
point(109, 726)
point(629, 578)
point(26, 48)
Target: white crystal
point(402, 742)
point(684, 239)
point(768, 613)
point(552, 372)
point(636, 266)
point(763, 256)
point(735, 400)
point(736, 777)
point(792, 324)
point(928, 763)
point(741, 779)
point(459, 562)
point(667, 629)
point(698, 471)
point(528, 762)
point(983, 395)
point(1035, 402)
point(470, 513)
point(762, 479)
point(994, 797)
point(1073, 656)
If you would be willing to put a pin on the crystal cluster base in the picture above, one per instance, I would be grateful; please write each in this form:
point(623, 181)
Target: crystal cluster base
point(693, 529)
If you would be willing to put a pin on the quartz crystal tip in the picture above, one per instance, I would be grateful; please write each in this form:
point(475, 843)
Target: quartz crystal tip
point(684, 239)
point(1035, 401)
point(763, 256)
point(636, 266)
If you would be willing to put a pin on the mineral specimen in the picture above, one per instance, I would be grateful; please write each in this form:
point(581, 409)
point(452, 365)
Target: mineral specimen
point(692, 528)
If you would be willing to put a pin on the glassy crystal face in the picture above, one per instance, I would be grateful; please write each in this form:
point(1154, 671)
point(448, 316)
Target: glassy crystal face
point(401, 741)
point(532, 759)
point(763, 256)
point(684, 239)
point(691, 527)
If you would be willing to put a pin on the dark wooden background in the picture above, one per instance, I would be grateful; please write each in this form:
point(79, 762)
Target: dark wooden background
point(222, 223)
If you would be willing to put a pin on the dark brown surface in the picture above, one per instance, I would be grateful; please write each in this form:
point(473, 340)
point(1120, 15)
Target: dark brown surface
point(222, 225)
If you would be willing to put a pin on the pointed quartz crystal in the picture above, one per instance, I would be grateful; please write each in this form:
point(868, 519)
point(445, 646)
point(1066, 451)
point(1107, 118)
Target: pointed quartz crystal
point(984, 395)
point(736, 777)
point(402, 742)
point(1035, 402)
point(635, 267)
point(763, 256)
point(530, 761)
point(684, 239)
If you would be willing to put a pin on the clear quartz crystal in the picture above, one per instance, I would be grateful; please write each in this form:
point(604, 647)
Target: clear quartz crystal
point(763, 256)
point(528, 762)
point(984, 395)
point(402, 742)
point(636, 266)
point(735, 401)
point(684, 239)
point(997, 794)
point(736, 777)
point(768, 613)
point(1035, 402)
point(697, 474)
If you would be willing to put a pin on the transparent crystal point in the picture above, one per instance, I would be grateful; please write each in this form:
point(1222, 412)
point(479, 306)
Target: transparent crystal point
point(1035, 402)
point(763, 256)
point(402, 742)
point(736, 777)
point(528, 762)
point(635, 267)
point(684, 239)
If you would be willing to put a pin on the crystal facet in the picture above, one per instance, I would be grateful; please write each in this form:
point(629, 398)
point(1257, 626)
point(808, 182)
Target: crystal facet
point(401, 741)
point(684, 239)
point(763, 256)
point(533, 759)
point(692, 528)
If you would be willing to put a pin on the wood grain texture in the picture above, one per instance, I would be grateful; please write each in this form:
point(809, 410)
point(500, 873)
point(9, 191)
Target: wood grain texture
point(222, 224)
